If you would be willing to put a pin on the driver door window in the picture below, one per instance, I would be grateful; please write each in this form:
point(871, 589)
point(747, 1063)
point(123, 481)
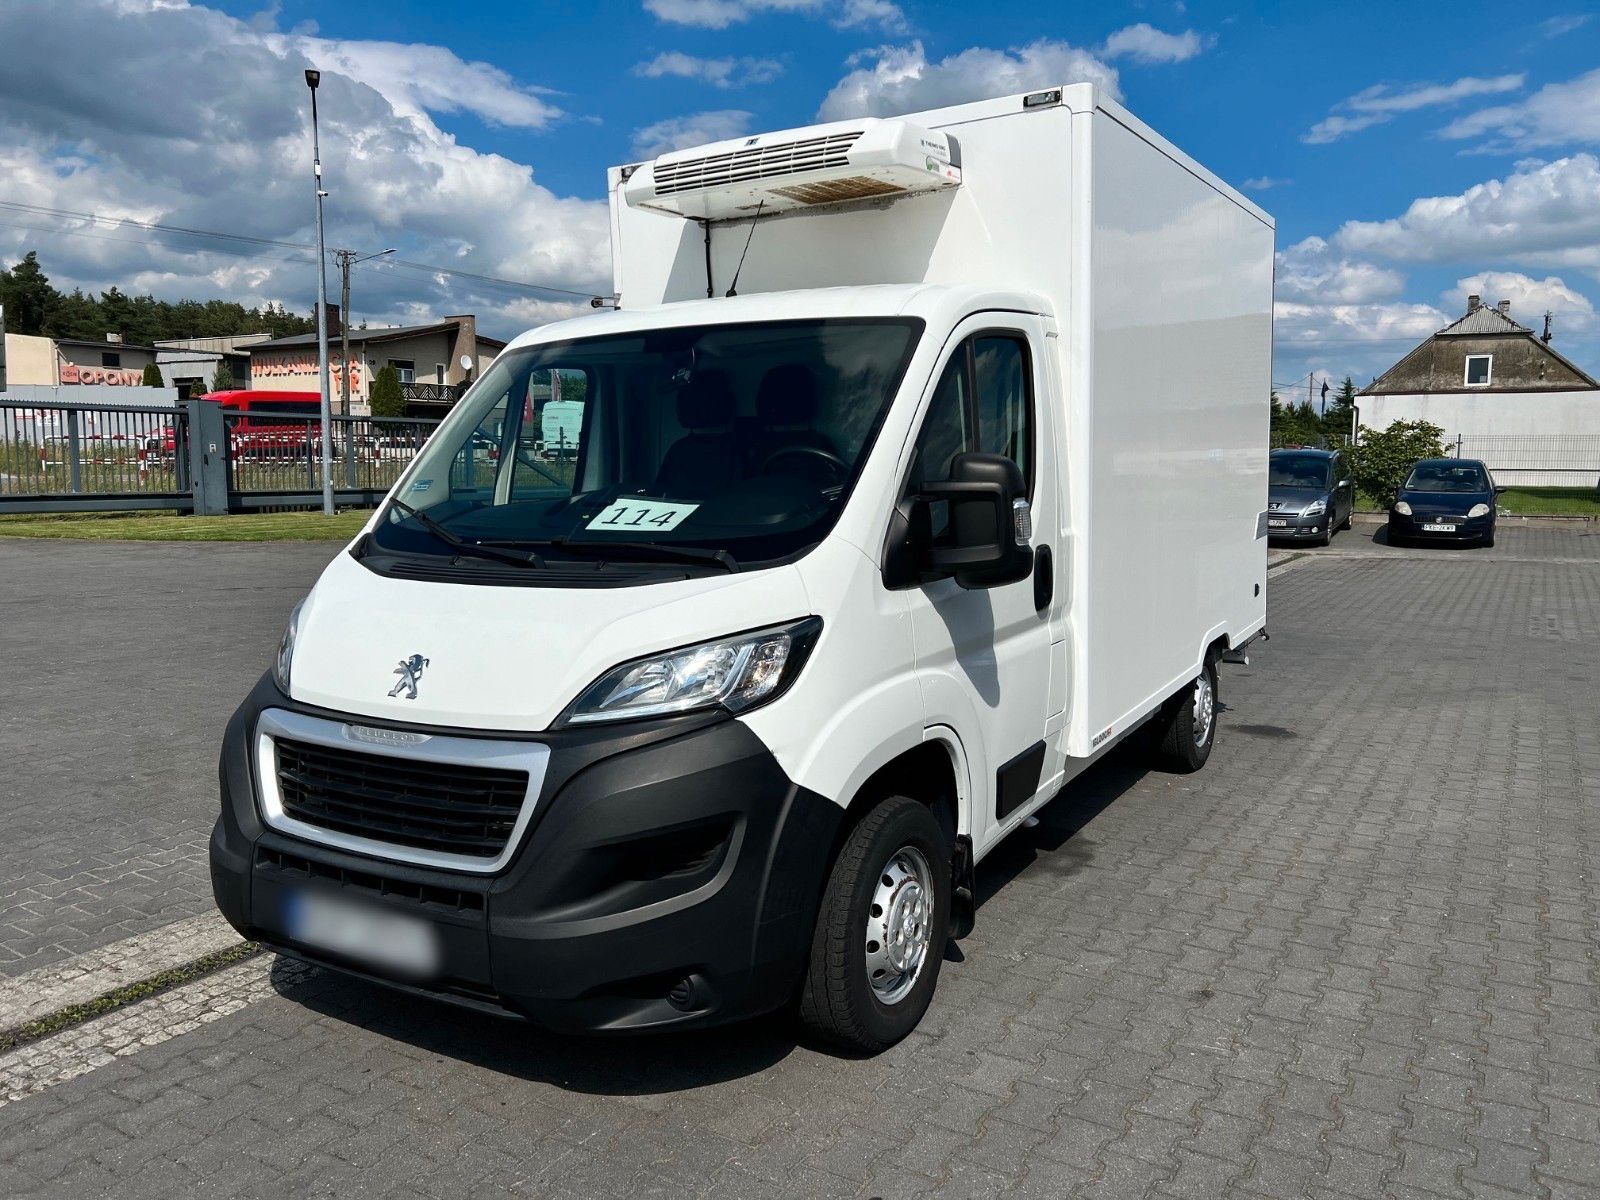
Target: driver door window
point(984, 402)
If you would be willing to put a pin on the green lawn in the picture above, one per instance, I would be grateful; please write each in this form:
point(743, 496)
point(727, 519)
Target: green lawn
point(169, 527)
point(1526, 502)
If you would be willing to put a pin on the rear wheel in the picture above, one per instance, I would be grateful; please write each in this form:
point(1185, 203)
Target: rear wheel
point(1186, 727)
point(881, 930)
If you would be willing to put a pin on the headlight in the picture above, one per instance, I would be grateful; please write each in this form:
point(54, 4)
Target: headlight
point(1401, 507)
point(736, 673)
point(280, 665)
point(1315, 508)
point(1478, 510)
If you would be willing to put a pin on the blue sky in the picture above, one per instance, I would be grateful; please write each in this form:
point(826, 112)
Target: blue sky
point(1409, 152)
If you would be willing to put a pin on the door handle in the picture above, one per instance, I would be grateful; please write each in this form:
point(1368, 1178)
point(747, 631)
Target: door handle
point(1044, 578)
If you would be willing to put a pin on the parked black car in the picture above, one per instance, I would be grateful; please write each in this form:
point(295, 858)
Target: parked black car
point(1445, 500)
point(1309, 495)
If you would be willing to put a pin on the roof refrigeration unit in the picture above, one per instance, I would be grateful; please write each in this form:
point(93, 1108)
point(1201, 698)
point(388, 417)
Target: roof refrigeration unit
point(841, 163)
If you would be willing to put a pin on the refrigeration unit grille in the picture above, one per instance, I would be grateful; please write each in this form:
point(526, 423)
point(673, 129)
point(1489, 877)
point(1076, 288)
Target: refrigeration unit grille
point(754, 163)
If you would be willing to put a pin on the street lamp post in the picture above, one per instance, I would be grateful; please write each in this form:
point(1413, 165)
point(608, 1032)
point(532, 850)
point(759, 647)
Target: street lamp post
point(312, 79)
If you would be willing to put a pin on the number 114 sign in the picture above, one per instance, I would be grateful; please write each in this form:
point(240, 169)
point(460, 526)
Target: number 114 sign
point(646, 515)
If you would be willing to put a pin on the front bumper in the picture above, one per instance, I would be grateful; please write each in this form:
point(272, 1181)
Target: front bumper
point(669, 876)
point(1296, 527)
point(1467, 529)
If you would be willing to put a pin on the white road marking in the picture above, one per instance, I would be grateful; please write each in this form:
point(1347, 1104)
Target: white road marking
point(85, 976)
point(40, 1065)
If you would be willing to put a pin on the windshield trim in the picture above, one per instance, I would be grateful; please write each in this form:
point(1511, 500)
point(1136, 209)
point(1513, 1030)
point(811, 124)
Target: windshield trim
point(915, 327)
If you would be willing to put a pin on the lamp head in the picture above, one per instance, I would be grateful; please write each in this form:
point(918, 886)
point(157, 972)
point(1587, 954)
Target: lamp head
point(313, 77)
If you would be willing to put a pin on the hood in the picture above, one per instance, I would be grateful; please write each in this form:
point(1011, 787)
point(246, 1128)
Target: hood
point(1292, 499)
point(506, 658)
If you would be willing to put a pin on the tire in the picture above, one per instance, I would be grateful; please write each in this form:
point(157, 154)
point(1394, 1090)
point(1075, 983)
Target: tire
point(1181, 747)
point(839, 1001)
point(1348, 517)
point(1488, 540)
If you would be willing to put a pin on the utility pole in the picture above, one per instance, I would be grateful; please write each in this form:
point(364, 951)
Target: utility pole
point(313, 78)
point(348, 259)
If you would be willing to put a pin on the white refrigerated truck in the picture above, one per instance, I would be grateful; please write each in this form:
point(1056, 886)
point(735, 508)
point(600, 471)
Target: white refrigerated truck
point(922, 462)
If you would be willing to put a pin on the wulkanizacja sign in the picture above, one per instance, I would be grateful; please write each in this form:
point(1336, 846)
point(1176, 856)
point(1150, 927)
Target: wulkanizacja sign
point(280, 366)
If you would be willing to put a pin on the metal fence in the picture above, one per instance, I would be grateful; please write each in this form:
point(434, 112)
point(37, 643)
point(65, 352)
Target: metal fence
point(78, 457)
point(1535, 460)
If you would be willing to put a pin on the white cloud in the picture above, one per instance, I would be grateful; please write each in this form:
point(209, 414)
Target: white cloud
point(1378, 104)
point(420, 79)
point(1554, 27)
point(719, 14)
point(1146, 44)
point(1263, 183)
point(224, 144)
point(900, 79)
point(1312, 272)
point(696, 129)
point(719, 72)
point(1558, 114)
point(1544, 214)
point(1530, 298)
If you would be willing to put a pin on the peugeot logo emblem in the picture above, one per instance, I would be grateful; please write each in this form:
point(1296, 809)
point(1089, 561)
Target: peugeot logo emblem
point(410, 672)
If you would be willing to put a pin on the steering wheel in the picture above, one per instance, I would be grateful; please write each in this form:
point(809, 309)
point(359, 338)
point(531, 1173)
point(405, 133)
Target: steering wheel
point(837, 465)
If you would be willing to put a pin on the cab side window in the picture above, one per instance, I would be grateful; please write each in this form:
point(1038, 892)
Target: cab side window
point(984, 402)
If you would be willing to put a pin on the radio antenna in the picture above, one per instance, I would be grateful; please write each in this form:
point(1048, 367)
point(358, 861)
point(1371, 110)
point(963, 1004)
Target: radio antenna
point(733, 287)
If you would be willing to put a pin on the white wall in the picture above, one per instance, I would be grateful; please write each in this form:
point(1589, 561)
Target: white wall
point(1555, 428)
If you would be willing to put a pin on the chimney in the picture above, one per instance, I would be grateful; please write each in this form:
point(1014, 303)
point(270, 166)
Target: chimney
point(466, 343)
point(1505, 309)
point(1474, 303)
point(334, 319)
point(1547, 335)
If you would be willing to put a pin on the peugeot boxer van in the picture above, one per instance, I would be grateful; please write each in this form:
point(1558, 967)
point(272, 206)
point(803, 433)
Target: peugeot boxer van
point(914, 465)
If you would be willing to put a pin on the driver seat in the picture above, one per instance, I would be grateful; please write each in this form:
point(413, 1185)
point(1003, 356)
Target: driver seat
point(786, 404)
point(705, 459)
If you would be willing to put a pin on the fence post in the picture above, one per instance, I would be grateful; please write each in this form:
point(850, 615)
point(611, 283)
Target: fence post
point(208, 457)
point(349, 453)
point(74, 451)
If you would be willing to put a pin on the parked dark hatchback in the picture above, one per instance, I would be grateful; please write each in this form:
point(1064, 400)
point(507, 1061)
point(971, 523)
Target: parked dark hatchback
point(1309, 495)
point(1446, 500)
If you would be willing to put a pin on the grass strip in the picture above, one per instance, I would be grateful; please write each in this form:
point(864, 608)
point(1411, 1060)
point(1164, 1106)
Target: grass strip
point(170, 527)
point(131, 993)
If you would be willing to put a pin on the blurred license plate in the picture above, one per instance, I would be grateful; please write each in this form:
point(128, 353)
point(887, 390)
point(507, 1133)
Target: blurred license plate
point(392, 943)
point(1276, 524)
point(1438, 528)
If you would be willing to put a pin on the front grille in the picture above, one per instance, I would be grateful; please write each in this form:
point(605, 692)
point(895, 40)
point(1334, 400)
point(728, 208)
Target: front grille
point(296, 866)
point(441, 807)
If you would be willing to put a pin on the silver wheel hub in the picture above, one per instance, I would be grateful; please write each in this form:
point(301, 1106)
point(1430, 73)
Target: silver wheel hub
point(1205, 708)
point(899, 924)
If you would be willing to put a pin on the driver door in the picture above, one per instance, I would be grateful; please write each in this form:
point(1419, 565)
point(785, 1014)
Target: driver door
point(984, 656)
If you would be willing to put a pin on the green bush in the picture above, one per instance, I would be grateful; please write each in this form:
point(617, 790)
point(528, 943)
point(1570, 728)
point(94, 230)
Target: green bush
point(222, 377)
point(1380, 461)
point(152, 376)
point(386, 398)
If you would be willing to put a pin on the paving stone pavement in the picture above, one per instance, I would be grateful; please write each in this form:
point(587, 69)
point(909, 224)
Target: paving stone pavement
point(1355, 956)
point(122, 664)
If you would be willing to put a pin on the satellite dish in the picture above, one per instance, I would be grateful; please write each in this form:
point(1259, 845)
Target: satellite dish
point(466, 362)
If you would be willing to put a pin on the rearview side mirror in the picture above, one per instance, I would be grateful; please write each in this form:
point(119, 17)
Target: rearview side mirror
point(990, 527)
point(1499, 489)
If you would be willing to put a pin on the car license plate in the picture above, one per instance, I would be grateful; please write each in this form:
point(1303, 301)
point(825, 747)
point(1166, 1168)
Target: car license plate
point(388, 942)
point(1276, 524)
point(1438, 529)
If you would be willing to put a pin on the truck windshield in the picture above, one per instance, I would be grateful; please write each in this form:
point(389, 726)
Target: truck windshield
point(742, 440)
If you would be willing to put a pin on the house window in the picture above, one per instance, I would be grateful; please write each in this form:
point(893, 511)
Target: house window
point(406, 368)
point(110, 358)
point(438, 374)
point(1478, 369)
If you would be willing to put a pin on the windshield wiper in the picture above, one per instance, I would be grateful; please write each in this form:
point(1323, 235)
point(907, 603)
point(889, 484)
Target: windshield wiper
point(682, 553)
point(456, 541)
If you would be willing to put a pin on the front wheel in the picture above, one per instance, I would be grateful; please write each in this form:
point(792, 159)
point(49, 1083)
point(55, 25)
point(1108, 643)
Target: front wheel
point(1186, 727)
point(881, 930)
